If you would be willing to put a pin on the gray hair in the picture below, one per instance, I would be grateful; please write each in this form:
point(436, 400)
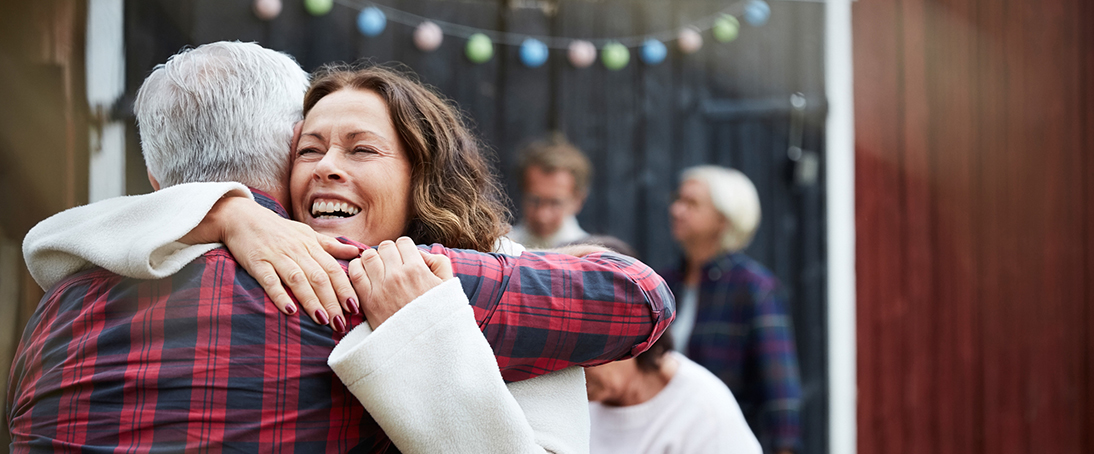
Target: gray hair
point(221, 112)
point(735, 197)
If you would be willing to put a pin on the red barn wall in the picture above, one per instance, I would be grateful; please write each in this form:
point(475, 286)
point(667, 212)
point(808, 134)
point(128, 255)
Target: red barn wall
point(975, 225)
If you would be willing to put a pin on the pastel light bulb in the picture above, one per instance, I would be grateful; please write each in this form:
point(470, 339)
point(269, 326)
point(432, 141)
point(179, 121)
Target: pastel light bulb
point(653, 52)
point(479, 48)
point(267, 9)
point(318, 7)
point(757, 12)
point(726, 28)
point(689, 40)
point(615, 56)
point(428, 36)
point(581, 54)
point(533, 53)
point(371, 21)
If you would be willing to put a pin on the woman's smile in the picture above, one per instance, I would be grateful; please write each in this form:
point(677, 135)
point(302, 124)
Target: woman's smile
point(351, 176)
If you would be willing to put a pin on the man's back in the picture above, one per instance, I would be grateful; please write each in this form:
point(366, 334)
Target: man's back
point(199, 359)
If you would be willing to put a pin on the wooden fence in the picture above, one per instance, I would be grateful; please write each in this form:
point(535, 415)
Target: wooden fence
point(975, 188)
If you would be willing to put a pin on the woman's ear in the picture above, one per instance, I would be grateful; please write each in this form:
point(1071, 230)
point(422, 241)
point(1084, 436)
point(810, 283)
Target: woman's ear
point(296, 128)
point(152, 179)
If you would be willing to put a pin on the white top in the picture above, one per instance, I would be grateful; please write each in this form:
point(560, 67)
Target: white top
point(567, 233)
point(695, 413)
point(427, 375)
point(686, 309)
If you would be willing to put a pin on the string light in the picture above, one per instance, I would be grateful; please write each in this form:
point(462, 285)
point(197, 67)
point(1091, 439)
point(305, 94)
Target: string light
point(267, 9)
point(556, 42)
point(371, 21)
point(581, 53)
point(615, 56)
point(533, 53)
point(428, 36)
point(534, 49)
point(726, 28)
point(319, 7)
point(654, 52)
point(479, 48)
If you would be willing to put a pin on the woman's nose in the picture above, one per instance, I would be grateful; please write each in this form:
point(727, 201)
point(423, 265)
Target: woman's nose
point(329, 168)
point(675, 209)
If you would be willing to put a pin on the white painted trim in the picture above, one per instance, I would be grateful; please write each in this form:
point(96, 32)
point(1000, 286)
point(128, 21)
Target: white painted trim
point(105, 85)
point(842, 356)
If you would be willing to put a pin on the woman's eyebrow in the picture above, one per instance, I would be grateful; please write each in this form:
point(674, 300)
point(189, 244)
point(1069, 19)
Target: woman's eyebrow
point(371, 134)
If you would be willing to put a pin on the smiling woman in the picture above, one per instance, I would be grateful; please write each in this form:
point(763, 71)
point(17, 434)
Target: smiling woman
point(351, 176)
point(383, 143)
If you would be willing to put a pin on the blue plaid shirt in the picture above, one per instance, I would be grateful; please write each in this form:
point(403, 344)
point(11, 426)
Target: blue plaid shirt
point(743, 335)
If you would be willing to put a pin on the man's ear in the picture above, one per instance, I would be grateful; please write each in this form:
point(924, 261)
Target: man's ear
point(724, 225)
point(580, 202)
point(152, 179)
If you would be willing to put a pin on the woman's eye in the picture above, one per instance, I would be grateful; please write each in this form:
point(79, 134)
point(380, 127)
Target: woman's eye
point(363, 150)
point(304, 151)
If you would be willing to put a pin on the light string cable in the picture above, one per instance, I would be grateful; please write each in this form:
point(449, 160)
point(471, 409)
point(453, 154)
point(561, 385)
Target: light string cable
point(553, 42)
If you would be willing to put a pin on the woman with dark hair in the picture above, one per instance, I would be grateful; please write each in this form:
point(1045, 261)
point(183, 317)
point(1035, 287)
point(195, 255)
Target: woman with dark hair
point(381, 157)
point(454, 199)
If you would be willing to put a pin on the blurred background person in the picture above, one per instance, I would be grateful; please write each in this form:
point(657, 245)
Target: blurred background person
point(554, 180)
point(661, 402)
point(731, 318)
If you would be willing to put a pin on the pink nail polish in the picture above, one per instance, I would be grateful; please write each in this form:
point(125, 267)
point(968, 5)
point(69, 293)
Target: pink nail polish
point(290, 308)
point(321, 317)
point(353, 308)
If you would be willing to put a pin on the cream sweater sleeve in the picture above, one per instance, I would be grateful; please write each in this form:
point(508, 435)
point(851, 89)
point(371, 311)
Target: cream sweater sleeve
point(134, 236)
point(430, 379)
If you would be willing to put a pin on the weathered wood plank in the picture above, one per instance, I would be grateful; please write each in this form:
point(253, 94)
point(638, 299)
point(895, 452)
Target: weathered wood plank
point(655, 175)
point(617, 164)
point(526, 95)
point(955, 347)
point(576, 94)
point(878, 221)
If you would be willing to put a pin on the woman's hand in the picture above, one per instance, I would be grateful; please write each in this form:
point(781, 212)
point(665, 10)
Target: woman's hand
point(392, 275)
point(275, 250)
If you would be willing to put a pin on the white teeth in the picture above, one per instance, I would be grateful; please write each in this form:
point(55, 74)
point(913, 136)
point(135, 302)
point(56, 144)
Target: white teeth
point(326, 210)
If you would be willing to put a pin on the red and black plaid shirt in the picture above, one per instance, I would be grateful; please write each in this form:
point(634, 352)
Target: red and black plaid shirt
point(203, 361)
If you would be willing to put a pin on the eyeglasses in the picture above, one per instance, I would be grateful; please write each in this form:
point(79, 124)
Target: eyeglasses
point(535, 203)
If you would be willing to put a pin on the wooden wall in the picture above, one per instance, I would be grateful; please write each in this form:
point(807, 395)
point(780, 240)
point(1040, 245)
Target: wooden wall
point(43, 146)
point(975, 225)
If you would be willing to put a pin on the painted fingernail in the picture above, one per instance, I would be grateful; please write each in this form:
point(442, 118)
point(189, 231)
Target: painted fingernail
point(352, 304)
point(290, 308)
point(339, 324)
point(321, 317)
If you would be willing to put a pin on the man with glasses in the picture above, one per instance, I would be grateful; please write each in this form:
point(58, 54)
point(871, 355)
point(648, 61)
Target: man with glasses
point(554, 180)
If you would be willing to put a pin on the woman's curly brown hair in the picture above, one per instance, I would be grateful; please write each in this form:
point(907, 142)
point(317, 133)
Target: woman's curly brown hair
point(456, 199)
